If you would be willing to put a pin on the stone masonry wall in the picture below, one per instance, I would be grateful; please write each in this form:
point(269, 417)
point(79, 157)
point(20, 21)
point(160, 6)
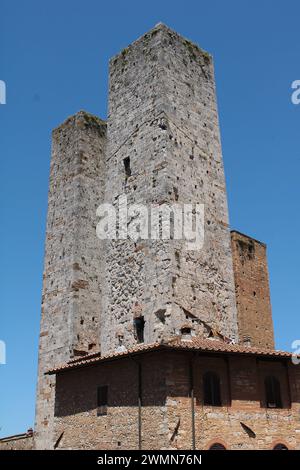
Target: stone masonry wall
point(255, 322)
point(164, 148)
point(71, 302)
point(21, 442)
point(242, 422)
point(76, 417)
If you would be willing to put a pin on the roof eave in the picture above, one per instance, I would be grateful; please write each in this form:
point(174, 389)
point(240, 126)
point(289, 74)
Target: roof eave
point(273, 355)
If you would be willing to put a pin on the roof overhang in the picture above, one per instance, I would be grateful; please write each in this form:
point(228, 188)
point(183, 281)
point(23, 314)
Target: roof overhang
point(195, 345)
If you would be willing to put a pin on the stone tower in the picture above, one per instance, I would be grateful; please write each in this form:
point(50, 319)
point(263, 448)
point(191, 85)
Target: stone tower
point(71, 302)
point(163, 149)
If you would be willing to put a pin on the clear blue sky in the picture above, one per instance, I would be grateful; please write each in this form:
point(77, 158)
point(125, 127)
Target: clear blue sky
point(54, 60)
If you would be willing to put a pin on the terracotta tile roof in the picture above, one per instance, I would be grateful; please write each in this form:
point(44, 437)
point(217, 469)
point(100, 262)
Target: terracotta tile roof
point(214, 345)
point(177, 343)
point(96, 358)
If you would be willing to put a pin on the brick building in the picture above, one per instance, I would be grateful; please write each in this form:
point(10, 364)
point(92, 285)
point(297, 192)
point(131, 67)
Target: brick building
point(144, 343)
point(188, 393)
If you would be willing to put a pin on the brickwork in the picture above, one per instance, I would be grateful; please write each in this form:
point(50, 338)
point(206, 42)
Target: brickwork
point(242, 422)
point(76, 410)
point(255, 323)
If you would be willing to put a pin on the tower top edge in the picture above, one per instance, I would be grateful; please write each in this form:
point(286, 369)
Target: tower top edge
point(79, 118)
point(248, 237)
point(153, 31)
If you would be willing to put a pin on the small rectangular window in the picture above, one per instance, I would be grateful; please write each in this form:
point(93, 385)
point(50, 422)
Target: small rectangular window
point(273, 393)
point(127, 168)
point(102, 393)
point(139, 324)
point(212, 389)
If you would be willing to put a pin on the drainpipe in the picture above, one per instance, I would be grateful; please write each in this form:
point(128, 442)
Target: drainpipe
point(140, 403)
point(288, 383)
point(192, 402)
point(139, 365)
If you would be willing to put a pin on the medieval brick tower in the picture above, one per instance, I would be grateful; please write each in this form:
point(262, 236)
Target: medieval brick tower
point(160, 146)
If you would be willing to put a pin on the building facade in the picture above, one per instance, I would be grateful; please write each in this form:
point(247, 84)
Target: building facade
point(185, 394)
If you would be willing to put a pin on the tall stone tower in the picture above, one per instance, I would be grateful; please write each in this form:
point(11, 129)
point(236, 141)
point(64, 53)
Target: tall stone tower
point(71, 302)
point(163, 149)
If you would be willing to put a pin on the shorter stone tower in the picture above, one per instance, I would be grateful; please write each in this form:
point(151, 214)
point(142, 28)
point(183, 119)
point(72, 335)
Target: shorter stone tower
point(71, 302)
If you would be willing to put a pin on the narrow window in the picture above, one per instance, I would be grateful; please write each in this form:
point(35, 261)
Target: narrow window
point(217, 446)
point(273, 395)
point(280, 447)
point(127, 168)
point(139, 324)
point(102, 400)
point(211, 389)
